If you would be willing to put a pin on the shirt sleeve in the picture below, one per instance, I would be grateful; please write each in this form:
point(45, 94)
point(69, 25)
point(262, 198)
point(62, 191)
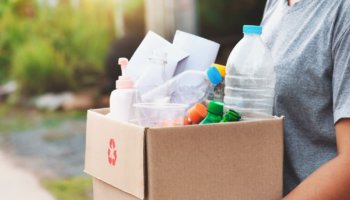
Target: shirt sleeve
point(341, 77)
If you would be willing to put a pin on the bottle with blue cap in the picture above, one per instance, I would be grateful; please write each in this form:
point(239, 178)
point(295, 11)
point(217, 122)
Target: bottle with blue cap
point(250, 77)
point(216, 93)
point(189, 87)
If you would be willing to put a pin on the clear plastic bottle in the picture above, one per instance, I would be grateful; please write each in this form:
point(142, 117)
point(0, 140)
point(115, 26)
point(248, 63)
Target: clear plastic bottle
point(154, 74)
point(250, 79)
point(189, 87)
point(218, 92)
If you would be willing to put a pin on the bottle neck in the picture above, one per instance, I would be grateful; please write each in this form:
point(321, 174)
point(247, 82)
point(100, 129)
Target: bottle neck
point(124, 82)
point(159, 65)
point(213, 113)
point(252, 35)
point(158, 61)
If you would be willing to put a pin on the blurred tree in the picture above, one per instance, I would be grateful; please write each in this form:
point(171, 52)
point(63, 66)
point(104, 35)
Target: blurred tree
point(14, 29)
point(222, 21)
point(39, 68)
point(226, 17)
point(186, 17)
point(133, 20)
point(134, 17)
point(24, 8)
point(166, 16)
point(5, 5)
point(79, 37)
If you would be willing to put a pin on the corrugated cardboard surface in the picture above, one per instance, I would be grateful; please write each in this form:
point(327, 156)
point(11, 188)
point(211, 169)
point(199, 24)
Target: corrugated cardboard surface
point(104, 191)
point(242, 161)
point(127, 173)
point(216, 162)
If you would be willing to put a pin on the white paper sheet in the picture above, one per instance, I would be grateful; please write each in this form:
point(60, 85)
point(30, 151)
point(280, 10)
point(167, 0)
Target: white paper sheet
point(202, 52)
point(152, 41)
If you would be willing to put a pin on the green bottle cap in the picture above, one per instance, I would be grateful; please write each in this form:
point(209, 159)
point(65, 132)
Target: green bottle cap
point(216, 107)
point(231, 116)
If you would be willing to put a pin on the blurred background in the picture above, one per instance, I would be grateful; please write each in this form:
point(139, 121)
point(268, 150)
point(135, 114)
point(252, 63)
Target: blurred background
point(58, 58)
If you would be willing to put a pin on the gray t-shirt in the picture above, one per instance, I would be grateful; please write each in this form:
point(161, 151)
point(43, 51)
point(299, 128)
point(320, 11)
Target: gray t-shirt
point(310, 44)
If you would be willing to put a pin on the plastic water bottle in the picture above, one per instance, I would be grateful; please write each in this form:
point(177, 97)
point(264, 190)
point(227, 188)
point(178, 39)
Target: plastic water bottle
point(123, 97)
point(250, 79)
point(218, 92)
point(189, 87)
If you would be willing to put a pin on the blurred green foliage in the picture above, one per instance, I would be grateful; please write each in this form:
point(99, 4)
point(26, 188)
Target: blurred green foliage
point(79, 188)
point(5, 4)
point(131, 5)
point(53, 49)
point(14, 120)
point(226, 17)
point(36, 64)
point(77, 38)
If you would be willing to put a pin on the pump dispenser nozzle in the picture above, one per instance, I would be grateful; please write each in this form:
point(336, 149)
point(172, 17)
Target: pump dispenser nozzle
point(124, 82)
point(123, 62)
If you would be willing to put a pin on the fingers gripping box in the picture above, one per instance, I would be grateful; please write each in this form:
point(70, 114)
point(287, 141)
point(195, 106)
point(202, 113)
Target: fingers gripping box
point(241, 160)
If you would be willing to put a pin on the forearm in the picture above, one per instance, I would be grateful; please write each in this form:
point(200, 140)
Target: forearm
point(330, 182)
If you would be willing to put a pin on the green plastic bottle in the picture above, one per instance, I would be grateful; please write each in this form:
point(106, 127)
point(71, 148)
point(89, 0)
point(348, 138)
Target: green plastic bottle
point(231, 116)
point(215, 112)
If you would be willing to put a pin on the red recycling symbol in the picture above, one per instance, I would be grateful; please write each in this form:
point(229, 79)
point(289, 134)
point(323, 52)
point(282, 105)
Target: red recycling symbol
point(112, 152)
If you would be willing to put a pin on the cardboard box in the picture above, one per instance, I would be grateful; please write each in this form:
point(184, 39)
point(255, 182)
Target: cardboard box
point(242, 161)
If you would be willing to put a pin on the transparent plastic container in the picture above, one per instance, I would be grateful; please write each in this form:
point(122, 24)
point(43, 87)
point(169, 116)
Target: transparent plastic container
point(159, 115)
point(189, 87)
point(250, 79)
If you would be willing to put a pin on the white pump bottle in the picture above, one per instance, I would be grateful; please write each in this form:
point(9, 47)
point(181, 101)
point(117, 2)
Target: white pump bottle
point(123, 97)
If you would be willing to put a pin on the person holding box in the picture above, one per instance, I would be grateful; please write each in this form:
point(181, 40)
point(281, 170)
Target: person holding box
point(310, 44)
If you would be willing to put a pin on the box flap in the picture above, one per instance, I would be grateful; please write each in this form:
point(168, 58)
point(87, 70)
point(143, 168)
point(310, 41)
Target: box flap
point(104, 191)
point(241, 160)
point(115, 153)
